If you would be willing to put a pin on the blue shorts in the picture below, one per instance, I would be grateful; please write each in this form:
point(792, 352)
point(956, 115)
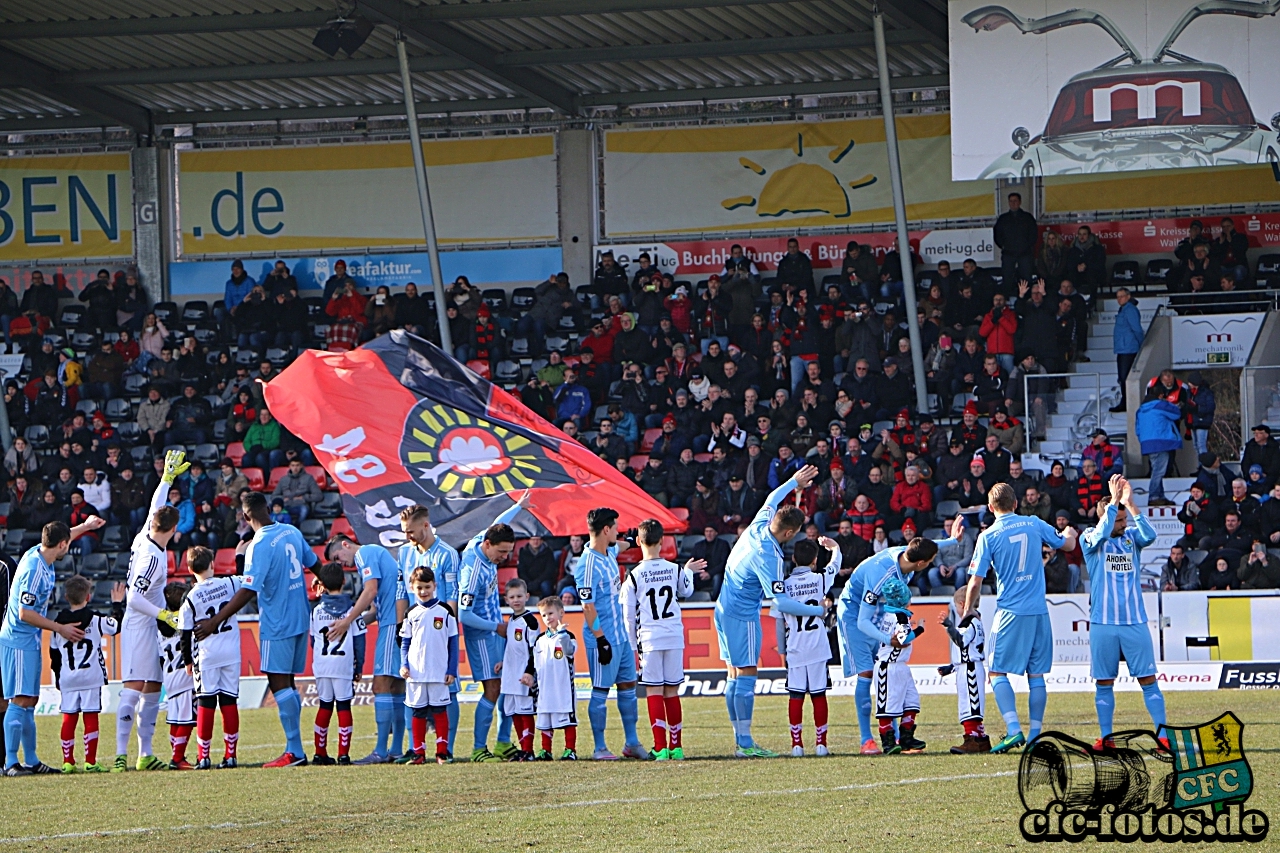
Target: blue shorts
point(284, 656)
point(739, 640)
point(857, 650)
point(484, 652)
point(620, 670)
point(1107, 642)
point(386, 657)
point(1023, 644)
point(20, 672)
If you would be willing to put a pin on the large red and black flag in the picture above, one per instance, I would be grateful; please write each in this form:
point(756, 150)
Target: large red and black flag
point(398, 422)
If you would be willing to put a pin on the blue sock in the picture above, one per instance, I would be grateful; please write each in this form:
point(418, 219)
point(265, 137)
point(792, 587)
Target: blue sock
point(453, 720)
point(484, 719)
point(862, 699)
point(731, 703)
point(384, 710)
point(289, 706)
point(1154, 700)
point(29, 735)
point(13, 718)
point(629, 713)
point(746, 707)
point(1035, 703)
point(597, 713)
point(1007, 704)
point(504, 727)
point(1104, 699)
point(400, 724)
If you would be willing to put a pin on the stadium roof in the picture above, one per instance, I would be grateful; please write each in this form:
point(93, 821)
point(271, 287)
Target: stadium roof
point(145, 64)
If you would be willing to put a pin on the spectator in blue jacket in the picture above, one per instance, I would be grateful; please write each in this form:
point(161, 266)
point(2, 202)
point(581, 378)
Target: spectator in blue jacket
point(1204, 408)
point(186, 519)
point(1159, 428)
point(781, 469)
point(1126, 340)
point(573, 402)
point(238, 286)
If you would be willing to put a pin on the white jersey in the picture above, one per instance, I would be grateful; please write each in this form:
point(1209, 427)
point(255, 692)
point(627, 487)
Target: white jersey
point(203, 601)
point(429, 629)
point(971, 671)
point(650, 607)
point(148, 573)
point(176, 678)
point(333, 660)
point(522, 633)
point(805, 637)
point(905, 634)
point(553, 660)
point(82, 664)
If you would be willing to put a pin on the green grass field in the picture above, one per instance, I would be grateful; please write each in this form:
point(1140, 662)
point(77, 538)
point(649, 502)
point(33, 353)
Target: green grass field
point(927, 802)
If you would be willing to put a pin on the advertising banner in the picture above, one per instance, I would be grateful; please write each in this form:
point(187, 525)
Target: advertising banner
point(78, 206)
point(297, 200)
point(755, 177)
point(1215, 340)
point(1120, 86)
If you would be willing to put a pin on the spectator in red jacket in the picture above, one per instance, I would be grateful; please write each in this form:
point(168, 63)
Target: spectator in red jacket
point(347, 304)
point(998, 328)
point(1104, 454)
point(912, 497)
point(864, 516)
point(1089, 490)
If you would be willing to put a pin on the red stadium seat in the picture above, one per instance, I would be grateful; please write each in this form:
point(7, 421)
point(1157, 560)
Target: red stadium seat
point(235, 452)
point(341, 525)
point(702, 458)
point(638, 462)
point(321, 477)
point(314, 590)
point(224, 561)
point(479, 367)
point(254, 476)
point(680, 512)
point(670, 551)
point(276, 475)
point(505, 575)
point(515, 554)
point(650, 436)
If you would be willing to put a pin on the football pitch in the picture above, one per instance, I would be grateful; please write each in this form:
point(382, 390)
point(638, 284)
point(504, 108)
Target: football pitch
point(933, 801)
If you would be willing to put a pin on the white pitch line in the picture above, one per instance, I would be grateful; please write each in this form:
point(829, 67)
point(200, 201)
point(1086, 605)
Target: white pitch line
point(63, 836)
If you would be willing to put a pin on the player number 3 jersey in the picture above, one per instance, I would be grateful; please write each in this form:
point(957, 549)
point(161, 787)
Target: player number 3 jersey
point(651, 607)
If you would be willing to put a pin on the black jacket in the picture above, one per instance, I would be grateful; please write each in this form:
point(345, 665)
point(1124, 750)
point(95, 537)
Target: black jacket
point(796, 269)
point(1016, 232)
point(537, 567)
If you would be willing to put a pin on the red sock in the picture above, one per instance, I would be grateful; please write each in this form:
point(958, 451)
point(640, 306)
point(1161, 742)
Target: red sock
point(658, 720)
point(908, 720)
point(571, 737)
point(178, 737)
point(90, 737)
point(419, 742)
point(524, 725)
point(323, 716)
point(230, 729)
point(820, 717)
point(972, 728)
point(204, 731)
point(344, 732)
point(442, 732)
point(795, 713)
point(674, 720)
point(546, 740)
point(886, 724)
point(68, 738)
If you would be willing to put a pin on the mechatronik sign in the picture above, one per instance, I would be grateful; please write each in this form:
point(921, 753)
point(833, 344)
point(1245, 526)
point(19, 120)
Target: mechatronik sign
point(1215, 340)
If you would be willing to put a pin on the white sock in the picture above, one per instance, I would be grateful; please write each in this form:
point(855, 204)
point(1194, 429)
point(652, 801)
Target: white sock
point(147, 714)
point(125, 716)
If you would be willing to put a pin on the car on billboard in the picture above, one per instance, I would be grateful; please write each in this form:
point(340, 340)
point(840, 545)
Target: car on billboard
point(1166, 111)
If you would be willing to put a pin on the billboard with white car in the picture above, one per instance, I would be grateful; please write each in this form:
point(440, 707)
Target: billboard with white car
point(1048, 87)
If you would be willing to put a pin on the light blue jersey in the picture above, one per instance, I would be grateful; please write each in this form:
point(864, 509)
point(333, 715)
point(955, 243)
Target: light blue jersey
point(441, 558)
point(32, 589)
point(600, 583)
point(1011, 545)
point(754, 570)
point(375, 563)
point(273, 569)
point(862, 591)
point(1114, 564)
point(479, 602)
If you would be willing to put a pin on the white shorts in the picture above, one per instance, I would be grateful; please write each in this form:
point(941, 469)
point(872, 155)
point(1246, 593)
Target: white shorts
point(335, 689)
point(140, 655)
point(895, 690)
point(971, 690)
point(547, 722)
point(662, 667)
point(211, 681)
point(426, 694)
point(808, 678)
point(82, 701)
point(179, 709)
point(513, 704)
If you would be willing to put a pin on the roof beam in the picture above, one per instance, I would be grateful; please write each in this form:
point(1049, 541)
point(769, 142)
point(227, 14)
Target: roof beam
point(761, 92)
point(918, 15)
point(268, 71)
point(425, 108)
point(26, 73)
point(174, 25)
point(442, 38)
point(560, 8)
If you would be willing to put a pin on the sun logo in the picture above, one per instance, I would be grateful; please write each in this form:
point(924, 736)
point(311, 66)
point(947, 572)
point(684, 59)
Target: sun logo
point(469, 457)
point(801, 187)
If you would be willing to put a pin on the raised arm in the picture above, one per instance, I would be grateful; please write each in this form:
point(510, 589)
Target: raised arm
point(800, 480)
point(629, 600)
point(1143, 533)
point(174, 467)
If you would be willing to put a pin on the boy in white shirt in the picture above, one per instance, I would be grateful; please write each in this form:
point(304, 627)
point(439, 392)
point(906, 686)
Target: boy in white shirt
point(82, 673)
point(969, 665)
point(895, 688)
point(517, 661)
point(651, 611)
point(216, 659)
point(337, 666)
point(557, 704)
point(429, 649)
point(179, 687)
point(803, 640)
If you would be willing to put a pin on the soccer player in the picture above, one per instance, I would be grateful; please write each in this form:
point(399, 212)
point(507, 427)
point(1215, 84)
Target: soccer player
point(381, 576)
point(273, 574)
point(517, 659)
point(803, 640)
point(860, 614)
point(970, 669)
point(429, 643)
point(179, 686)
point(480, 610)
point(144, 604)
point(24, 619)
point(425, 548)
point(754, 573)
point(651, 615)
point(216, 660)
point(81, 675)
point(1022, 633)
point(553, 667)
point(896, 694)
point(337, 665)
point(1117, 615)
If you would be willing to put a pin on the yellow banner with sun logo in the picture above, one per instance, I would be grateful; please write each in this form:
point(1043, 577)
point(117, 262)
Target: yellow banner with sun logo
point(802, 174)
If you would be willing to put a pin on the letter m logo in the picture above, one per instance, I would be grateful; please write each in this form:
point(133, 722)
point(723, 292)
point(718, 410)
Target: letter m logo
point(1146, 98)
point(1224, 338)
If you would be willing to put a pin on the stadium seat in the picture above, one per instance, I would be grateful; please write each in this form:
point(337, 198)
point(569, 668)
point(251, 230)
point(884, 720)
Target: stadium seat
point(13, 539)
point(84, 341)
point(141, 455)
point(254, 476)
point(276, 475)
point(235, 452)
point(342, 526)
point(88, 407)
point(195, 311)
point(278, 357)
point(1124, 274)
point(558, 344)
point(118, 409)
point(72, 315)
point(165, 312)
point(129, 430)
point(320, 476)
point(330, 506)
point(480, 367)
point(647, 440)
point(495, 298)
point(522, 298)
point(37, 435)
point(505, 575)
point(519, 346)
point(680, 512)
point(948, 509)
point(315, 307)
point(112, 537)
point(312, 530)
point(247, 357)
point(1158, 270)
point(1268, 271)
point(702, 458)
point(94, 566)
point(134, 383)
point(508, 372)
point(208, 455)
point(638, 462)
point(224, 561)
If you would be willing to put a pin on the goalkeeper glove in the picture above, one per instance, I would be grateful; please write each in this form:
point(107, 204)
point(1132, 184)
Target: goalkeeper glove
point(604, 651)
point(946, 670)
point(169, 618)
point(174, 467)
